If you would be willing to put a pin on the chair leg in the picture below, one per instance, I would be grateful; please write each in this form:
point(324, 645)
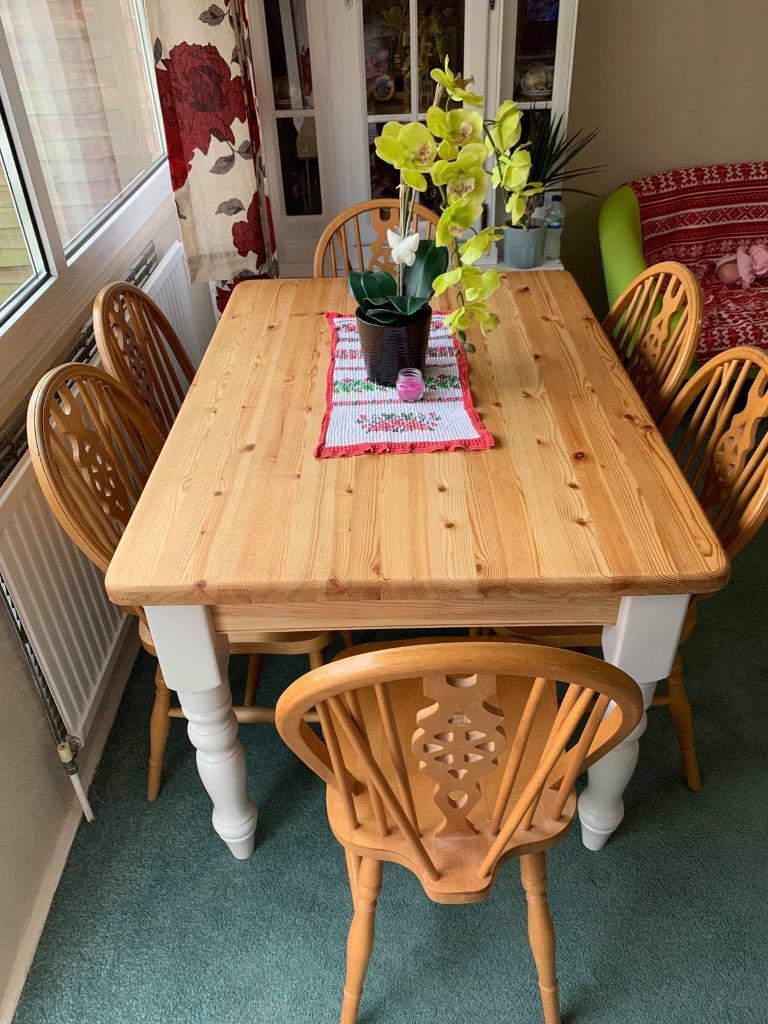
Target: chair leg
point(346, 636)
point(360, 940)
point(159, 726)
point(541, 931)
point(353, 866)
point(682, 719)
point(255, 661)
point(316, 659)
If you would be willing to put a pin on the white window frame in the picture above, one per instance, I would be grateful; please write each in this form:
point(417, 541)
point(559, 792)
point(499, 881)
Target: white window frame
point(73, 276)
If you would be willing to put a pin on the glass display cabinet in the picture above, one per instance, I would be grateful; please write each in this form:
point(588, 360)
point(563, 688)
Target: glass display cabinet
point(329, 73)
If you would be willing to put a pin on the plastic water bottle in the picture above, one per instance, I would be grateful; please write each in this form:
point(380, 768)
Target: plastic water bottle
point(555, 218)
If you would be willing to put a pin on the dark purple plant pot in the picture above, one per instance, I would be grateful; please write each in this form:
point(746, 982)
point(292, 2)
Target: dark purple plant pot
point(389, 349)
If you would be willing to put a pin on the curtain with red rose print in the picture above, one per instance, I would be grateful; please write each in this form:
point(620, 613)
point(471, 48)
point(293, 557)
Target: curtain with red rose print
point(204, 78)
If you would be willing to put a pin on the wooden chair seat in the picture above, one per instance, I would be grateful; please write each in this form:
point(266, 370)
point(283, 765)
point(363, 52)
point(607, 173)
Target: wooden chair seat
point(260, 643)
point(578, 636)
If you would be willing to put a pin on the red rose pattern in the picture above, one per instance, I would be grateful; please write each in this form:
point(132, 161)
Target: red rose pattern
point(200, 100)
point(225, 289)
point(247, 234)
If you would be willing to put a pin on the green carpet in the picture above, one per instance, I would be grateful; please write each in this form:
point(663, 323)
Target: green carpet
point(154, 922)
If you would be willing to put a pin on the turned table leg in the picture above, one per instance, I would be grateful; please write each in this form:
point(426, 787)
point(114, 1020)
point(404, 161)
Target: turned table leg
point(194, 660)
point(643, 642)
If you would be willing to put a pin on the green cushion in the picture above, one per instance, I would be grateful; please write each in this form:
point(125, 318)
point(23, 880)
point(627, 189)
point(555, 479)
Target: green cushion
point(621, 241)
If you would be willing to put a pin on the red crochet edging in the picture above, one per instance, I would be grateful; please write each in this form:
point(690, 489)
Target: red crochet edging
point(482, 441)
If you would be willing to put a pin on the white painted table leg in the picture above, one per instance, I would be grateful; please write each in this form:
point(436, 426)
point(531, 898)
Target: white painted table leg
point(194, 663)
point(643, 643)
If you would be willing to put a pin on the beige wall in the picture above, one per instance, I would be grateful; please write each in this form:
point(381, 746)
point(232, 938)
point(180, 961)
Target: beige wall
point(33, 793)
point(669, 83)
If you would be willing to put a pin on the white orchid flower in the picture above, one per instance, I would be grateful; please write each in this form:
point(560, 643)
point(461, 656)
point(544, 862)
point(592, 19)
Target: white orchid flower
point(403, 249)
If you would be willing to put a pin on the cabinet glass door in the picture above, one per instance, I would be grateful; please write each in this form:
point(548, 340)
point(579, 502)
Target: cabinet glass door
point(402, 43)
point(291, 72)
point(535, 51)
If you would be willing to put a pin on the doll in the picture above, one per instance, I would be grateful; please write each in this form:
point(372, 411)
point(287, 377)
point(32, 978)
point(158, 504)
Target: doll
point(744, 266)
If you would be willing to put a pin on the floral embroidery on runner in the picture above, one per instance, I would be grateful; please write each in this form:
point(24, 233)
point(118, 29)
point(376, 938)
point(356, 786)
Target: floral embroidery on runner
point(363, 417)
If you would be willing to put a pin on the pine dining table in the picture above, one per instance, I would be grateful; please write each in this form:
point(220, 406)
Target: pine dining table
point(578, 515)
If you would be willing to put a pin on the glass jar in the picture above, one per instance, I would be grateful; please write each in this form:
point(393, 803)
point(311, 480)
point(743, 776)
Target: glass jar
point(410, 385)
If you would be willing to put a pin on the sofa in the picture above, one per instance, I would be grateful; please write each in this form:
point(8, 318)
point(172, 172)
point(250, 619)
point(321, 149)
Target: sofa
point(693, 215)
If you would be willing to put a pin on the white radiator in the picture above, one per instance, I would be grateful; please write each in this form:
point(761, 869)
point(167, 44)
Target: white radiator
point(170, 288)
point(75, 631)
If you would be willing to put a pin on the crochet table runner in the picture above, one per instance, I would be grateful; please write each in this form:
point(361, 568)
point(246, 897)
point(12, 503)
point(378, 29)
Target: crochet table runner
point(361, 416)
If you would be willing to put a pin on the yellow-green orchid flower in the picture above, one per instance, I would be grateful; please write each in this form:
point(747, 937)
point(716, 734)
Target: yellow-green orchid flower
point(478, 245)
point(517, 202)
point(410, 148)
point(472, 313)
point(455, 220)
point(458, 127)
point(462, 180)
point(515, 207)
point(475, 284)
point(507, 127)
point(454, 86)
point(511, 172)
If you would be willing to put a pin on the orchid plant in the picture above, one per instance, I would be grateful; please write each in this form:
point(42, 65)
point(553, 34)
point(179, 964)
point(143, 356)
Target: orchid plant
point(452, 149)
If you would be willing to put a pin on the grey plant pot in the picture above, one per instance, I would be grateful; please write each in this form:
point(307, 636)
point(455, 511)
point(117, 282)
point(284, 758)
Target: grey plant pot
point(524, 250)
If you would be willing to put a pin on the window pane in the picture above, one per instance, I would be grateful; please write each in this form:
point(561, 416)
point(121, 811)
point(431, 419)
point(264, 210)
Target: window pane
point(441, 35)
point(20, 260)
point(535, 48)
point(297, 140)
point(387, 56)
point(288, 39)
point(84, 77)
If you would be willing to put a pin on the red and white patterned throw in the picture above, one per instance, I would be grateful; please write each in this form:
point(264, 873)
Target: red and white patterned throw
point(362, 417)
point(695, 215)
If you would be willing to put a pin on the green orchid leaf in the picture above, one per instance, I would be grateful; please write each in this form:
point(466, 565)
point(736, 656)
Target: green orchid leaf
point(371, 287)
point(355, 285)
point(408, 305)
point(383, 315)
point(431, 261)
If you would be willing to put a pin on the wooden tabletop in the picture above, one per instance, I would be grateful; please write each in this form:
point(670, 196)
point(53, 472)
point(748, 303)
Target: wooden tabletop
point(579, 502)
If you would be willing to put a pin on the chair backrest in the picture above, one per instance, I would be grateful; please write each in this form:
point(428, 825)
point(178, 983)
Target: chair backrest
point(357, 238)
point(447, 762)
point(654, 326)
point(718, 429)
point(138, 346)
point(93, 446)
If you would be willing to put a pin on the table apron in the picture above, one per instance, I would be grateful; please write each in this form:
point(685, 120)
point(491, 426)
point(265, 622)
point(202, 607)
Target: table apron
point(238, 621)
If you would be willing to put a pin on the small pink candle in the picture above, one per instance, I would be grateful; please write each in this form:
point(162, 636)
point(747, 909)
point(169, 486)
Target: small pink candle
point(410, 385)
